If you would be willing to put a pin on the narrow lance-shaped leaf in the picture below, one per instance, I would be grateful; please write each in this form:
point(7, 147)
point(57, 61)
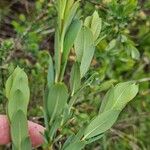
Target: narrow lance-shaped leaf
point(26, 144)
point(84, 48)
point(70, 37)
point(96, 25)
point(75, 80)
point(100, 124)
point(88, 52)
point(88, 21)
point(17, 92)
point(8, 86)
point(79, 45)
point(117, 97)
point(107, 98)
point(75, 146)
point(57, 99)
point(15, 103)
point(63, 7)
point(74, 142)
point(19, 130)
point(68, 7)
point(67, 22)
point(69, 17)
point(94, 22)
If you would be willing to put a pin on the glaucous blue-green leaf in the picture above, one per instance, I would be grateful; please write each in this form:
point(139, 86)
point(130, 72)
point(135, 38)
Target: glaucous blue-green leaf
point(56, 124)
point(75, 80)
point(96, 25)
point(84, 49)
point(9, 82)
point(17, 92)
point(86, 60)
point(88, 21)
point(19, 130)
point(80, 44)
point(94, 22)
point(95, 138)
point(68, 141)
point(19, 81)
point(16, 103)
point(8, 85)
point(70, 37)
point(69, 16)
point(106, 85)
point(117, 97)
point(75, 146)
point(107, 99)
point(57, 99)
point(26, 144)
point(101, 123)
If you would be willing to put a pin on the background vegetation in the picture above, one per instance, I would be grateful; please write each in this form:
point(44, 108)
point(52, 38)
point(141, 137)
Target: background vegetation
point(26, 38)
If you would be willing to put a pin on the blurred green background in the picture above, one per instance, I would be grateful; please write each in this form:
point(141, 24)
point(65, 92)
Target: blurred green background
point(27, 36)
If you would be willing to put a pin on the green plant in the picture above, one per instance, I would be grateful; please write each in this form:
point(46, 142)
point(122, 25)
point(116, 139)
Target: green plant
point(17, 92)
point(72, 35)
point(59, 99)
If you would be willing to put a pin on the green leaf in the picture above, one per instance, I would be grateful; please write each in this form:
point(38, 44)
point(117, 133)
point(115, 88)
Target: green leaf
point(107, 99)
point(16, 102)
point(68, 141)
point(111, 45)
point(75, 146)
point(57, 56)
point(19, 130)
point(79, 44)
point(8, 86)
point(106, 85)
point(68, 7)
point(17, 92)
point(70, 37)
point(56, 124)
point(132, 51)
point(88, 21)
point(63, 6)
point(117, 97)
point(84, 48)
point(100, 124)
point(95, 138)
point(9, 82)
point(75, 80)
point(135, 53)
point(50, 75)
point(26, 144)
point(57, 99)
point(96, 25)
point(69, 16)
point(94, 22)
